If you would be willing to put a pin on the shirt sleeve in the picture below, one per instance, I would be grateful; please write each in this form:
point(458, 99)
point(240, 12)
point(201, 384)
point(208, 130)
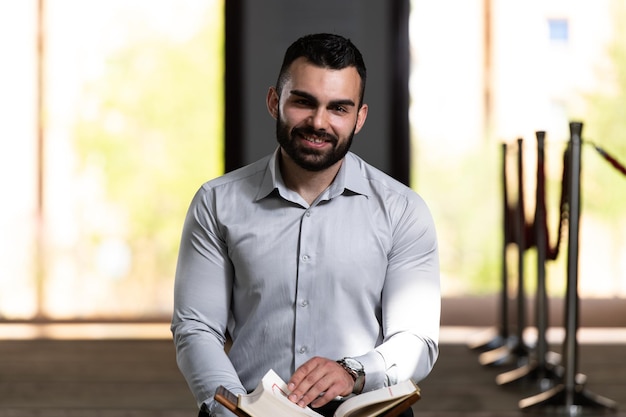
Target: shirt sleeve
point(202, 292)
point(411, 302)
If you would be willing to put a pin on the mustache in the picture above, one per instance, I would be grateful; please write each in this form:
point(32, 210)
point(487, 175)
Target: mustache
point(309, 131)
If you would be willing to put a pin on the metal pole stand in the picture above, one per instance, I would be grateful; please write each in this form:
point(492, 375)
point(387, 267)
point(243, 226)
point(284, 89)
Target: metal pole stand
point(517, 351)
point(502, 336)
point(540, 370)
point(570, 398)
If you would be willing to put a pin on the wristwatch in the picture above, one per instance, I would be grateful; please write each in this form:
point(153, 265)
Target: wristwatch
point(356, 371)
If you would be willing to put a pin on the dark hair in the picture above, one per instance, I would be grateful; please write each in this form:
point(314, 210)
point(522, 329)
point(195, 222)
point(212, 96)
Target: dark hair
point(327, 51)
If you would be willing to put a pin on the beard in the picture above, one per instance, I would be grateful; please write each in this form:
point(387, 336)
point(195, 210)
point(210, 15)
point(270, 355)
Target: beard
point(307, 158)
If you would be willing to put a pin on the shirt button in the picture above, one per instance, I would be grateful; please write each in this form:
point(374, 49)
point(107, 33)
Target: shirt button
point(302, 350)
point(305, 258)
point(304, 303)
point(308, 213)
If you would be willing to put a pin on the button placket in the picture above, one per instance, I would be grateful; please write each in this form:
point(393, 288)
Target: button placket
point(303, 341)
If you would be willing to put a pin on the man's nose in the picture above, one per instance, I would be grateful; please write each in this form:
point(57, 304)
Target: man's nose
point(319, 119)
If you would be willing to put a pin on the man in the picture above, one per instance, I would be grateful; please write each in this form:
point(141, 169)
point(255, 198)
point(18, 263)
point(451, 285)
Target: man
point(314, 263)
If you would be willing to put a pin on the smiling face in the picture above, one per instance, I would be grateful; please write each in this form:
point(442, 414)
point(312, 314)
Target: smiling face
point(317, 114)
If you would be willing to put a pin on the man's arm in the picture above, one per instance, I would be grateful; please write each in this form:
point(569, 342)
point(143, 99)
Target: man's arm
point(202, 294)
point(411, 298)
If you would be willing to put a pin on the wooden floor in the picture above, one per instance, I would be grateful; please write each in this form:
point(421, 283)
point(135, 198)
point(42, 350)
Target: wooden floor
point(139, 378)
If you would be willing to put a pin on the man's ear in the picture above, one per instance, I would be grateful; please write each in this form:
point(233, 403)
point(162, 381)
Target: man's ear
point(360, 118)
point(272, 102)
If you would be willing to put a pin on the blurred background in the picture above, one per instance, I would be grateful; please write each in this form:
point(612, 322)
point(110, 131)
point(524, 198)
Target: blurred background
point(112, 115)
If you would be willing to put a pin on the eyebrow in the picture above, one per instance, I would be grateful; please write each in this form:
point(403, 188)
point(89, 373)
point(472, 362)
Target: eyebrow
point(310, 97)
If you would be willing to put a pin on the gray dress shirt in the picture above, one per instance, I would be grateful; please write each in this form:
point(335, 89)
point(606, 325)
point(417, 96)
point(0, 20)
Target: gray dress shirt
point(354, 274)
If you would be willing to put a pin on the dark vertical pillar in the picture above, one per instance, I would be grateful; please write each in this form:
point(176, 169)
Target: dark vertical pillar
point(233, 84)
point(399, 130)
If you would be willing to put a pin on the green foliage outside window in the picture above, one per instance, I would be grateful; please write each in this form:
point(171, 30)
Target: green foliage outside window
point(151, 133)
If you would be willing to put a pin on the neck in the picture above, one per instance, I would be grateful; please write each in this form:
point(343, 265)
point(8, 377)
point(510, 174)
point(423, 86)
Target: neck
point(308, 184)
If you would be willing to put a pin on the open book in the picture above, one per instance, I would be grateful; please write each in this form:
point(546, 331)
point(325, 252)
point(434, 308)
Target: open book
point(269, 399)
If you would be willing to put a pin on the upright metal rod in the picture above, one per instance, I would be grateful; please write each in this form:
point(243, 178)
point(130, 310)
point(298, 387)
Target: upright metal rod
point(515, 350)
point(537, 370)
point(571, 293)
point(502, 335)
point(541, 302)
point(521, 351)
point(506, 232)
point(570, 398)
point(521, 243)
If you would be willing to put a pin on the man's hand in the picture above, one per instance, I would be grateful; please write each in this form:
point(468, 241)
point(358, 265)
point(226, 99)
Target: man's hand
point(318, 381)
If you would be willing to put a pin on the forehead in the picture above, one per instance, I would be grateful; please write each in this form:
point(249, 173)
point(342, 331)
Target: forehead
point(323, 82)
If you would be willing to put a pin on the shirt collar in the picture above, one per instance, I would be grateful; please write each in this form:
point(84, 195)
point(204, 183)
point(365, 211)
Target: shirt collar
point(350, 177)
point(272, 180)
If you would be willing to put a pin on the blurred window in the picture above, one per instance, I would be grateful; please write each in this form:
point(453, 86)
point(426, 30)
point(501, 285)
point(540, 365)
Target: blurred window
point(95, 195)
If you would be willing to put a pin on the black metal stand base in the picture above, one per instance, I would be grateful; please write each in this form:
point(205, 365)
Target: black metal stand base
point(575, 402)
point(515, 352)
point(545, 375)
point(493, 341)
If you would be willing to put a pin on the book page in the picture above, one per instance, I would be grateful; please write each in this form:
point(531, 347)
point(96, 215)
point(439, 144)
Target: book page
point(370, 410)
point(269, 399)
point(375, 402)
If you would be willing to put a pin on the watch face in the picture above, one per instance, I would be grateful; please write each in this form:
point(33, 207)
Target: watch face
point(354, 364)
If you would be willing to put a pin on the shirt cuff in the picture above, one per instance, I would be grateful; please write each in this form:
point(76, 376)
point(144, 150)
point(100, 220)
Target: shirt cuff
point(374, 367)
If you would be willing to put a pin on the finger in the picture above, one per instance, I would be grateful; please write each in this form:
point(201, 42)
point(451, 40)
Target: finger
point(341, 385)
point(302, 372)
point(304, 385)
point(321, 391)
point(325, 381)
point(324, 398)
